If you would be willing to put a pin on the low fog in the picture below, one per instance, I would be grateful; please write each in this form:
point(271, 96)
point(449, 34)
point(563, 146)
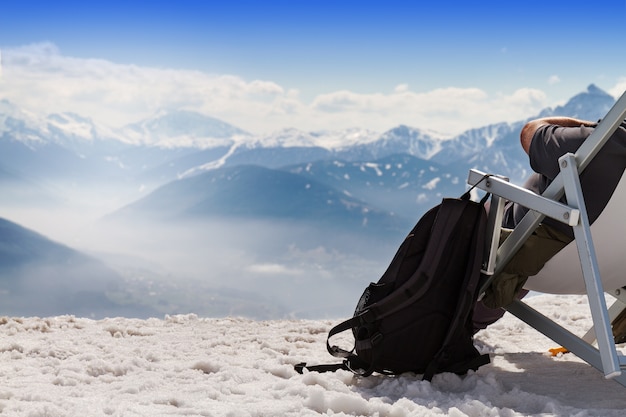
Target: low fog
point(277, 268)
point(218, 267)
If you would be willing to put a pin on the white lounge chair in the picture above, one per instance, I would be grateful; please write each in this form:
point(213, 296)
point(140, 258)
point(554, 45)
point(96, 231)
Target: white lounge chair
point(593, 263)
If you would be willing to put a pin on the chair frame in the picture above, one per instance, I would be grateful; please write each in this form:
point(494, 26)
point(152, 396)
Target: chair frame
point(604, 357)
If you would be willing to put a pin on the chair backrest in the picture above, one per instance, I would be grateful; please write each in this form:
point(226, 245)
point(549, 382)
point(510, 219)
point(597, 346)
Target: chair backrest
point(562, 274)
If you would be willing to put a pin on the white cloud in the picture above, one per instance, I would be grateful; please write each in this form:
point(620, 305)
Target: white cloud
point(448, 110)
point(272, 269)
point(40, 78)
point(619, 88)
point(401, 88)
point(554, 79)
point(524, 100)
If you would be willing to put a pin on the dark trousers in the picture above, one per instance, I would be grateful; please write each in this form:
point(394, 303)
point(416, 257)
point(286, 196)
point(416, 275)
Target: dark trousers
point(540, 247)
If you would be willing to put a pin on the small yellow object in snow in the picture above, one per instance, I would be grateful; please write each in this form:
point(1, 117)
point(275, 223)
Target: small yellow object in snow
point(556, 351)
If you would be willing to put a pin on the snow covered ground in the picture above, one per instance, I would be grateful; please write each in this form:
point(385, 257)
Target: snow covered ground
point(191, 366)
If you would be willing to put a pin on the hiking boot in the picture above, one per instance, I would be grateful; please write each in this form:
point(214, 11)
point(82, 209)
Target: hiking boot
point(619, 327)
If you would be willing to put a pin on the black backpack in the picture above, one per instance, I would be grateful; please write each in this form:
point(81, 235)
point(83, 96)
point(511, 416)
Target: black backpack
point(418, 316)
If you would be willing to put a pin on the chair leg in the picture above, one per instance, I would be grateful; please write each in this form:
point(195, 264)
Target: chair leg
point(562, 336)
point(617, 315)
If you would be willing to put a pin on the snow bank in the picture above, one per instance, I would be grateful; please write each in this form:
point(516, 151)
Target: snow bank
point(191, 366)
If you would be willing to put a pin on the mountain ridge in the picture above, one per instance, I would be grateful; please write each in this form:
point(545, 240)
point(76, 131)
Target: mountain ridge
point(244, 191)
point(171, 124)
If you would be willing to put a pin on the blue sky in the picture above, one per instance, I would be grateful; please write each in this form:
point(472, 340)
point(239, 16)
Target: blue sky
point(326, 64)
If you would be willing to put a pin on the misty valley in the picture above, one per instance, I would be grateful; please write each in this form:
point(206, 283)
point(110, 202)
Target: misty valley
point(183, 213)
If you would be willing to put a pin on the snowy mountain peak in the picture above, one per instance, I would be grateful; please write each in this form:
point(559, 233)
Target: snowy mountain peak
point(182, 128)
point(15, 120)
point(595, 90)
point(73, 125)
point(417, 142)
point(288, 137)
point(327, 139)
point(592, 104)
point(342, 139)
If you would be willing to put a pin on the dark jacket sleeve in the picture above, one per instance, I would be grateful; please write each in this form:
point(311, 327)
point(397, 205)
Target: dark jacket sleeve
point(550, 142)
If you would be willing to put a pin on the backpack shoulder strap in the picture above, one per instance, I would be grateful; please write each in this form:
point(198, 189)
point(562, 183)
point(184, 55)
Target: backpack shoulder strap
point(352, 363)
point(320, 368)
point(443, 230)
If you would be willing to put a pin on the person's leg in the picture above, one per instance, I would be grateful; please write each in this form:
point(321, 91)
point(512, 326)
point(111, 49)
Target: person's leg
point(484, 316)
point(540, 247)
point(619, 327)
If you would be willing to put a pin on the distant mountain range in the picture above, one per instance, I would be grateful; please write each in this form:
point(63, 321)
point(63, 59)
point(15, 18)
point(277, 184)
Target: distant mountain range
point(401, 172)
point(353, 191)
point(170, 138)
point(67, 151)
